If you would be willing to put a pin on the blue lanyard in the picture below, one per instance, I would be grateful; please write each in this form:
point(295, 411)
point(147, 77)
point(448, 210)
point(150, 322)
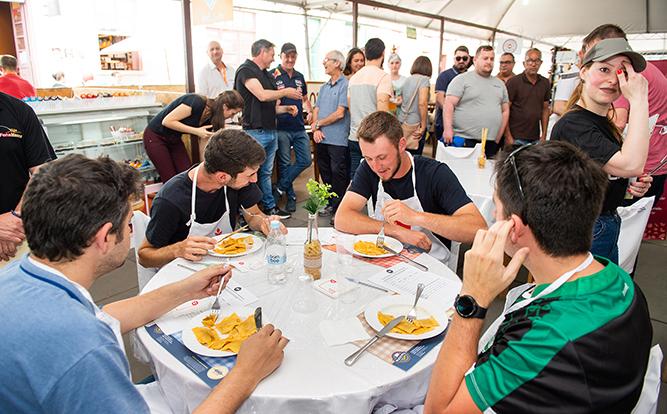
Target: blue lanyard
point(53, 283)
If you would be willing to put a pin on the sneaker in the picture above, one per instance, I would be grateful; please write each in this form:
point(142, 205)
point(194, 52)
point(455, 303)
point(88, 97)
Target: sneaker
point(291, 205)
point(328, 210)
point(275, 211)
point(332, 221)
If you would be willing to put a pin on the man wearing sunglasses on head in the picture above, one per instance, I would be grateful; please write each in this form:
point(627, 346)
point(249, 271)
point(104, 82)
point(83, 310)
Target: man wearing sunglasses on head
point(461, 65)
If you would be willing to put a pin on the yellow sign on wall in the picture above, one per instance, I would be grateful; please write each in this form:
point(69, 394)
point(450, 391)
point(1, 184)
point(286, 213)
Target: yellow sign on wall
point(211, 11)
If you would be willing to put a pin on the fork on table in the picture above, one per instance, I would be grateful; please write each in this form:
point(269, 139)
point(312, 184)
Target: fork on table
point(412, 314)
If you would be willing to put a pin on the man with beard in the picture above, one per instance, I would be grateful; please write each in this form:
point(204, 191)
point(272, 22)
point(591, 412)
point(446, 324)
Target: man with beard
point(529, 95)
point(417, 200)
point(477, 100)
point(461, 65)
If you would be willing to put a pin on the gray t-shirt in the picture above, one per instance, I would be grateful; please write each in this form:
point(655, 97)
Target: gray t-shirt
point(363, 89)
point(410, 114)
point(480, 104)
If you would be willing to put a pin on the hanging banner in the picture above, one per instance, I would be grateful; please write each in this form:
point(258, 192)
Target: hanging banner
point(211, 11)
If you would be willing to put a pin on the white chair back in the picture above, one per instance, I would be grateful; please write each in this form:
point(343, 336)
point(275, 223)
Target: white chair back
point(485, 206)
point(648, 399)
point(633, 224)
point(447, 154)
point(139, 224)
point(148, 190)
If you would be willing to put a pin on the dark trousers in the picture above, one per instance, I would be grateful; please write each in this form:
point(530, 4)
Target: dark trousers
point(491, 148)
point(167, 154)
point(355, 157)
point(333, 162)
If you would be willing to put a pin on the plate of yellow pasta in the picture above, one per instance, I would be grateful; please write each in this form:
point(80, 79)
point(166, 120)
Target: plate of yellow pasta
point(364, 245)
point(431, 318)
point(236, 245)
point(222, 336)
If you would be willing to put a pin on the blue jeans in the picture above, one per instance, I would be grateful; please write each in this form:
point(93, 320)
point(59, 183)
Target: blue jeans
point(268, 139)
point(522, 142)
point(605, 236)
point(288, 171)
point(355, 157)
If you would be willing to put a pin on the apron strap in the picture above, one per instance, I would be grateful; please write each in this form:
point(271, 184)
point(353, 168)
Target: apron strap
point(193, 197)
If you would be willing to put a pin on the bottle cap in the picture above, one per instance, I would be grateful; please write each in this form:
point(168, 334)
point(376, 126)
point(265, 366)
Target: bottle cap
point(275, 224)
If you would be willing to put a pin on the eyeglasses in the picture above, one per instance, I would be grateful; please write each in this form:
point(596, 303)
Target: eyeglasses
point(511, 159)
point(533, 61)
point(328, 59)
point(506, 62)
point(461, 58)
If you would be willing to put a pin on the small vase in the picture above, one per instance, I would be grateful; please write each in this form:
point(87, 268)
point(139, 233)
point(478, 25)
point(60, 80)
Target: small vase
point(312, 250)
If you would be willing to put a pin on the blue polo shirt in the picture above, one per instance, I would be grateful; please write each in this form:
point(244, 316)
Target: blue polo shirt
point(287, 122)
point(57, 357)
point(441, 84)
point(331, 96)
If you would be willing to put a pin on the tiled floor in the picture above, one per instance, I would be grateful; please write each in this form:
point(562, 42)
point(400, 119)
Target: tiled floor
point(651, 275)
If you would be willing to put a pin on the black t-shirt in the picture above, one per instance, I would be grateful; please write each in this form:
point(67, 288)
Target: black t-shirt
point(438, 189)
point(593, 134)
point(194, 101)
point(23, 145)
point(172, 205)
point(256, 114)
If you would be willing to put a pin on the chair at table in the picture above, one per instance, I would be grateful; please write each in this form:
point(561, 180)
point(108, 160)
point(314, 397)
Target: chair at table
point(633, 223)
point(149, 193)
point(449, 153)
point(139, 224)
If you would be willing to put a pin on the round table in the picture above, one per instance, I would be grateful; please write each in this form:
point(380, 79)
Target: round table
point(313, 377)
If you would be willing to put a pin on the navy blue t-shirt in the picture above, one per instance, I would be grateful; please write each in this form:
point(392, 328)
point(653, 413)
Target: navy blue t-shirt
point(287, 122)
point(441, 84)
point(194, 101)
point(438, 189)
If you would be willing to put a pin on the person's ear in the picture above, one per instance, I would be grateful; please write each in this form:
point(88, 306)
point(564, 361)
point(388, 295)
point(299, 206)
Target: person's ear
point(223, 177)
point(103, 240)
point(402, 144)
point(519, 228)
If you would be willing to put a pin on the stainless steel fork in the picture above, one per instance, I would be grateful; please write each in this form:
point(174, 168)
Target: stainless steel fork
point(379, 242)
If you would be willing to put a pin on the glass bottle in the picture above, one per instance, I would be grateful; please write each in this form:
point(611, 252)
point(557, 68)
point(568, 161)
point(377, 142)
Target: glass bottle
point(312, 250)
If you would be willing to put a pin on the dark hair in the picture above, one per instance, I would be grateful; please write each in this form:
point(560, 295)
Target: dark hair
point(232, 151)
point(508, 54)
point(423, 66)
point(260, 45)
point(563, 191)
point(231, 99)
point(380, 123)
point(483, 48)
point(374, 48)
point(70, 199)
point(8, 62)
point(461, 49)
point(348, 62)
point(605, 31)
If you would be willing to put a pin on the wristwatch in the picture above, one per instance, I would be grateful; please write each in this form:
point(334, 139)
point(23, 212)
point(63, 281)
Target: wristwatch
point(467, 307)
point(317, 125)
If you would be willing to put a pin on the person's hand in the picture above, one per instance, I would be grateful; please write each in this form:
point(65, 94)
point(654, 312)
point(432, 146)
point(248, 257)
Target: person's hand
point(7, 250)
point(415, 238)
point(641, 186)
point(204, 131)
point(265, 225)
point(484, 275)
point(318, 136)
point(11, 228)
point(205, 283)
point(634, 87)
point(261, 354)
point(398, 100)
point(194, 248)
point(309, 117)
point(448, 135)
point(396, 210)
point(292, 93)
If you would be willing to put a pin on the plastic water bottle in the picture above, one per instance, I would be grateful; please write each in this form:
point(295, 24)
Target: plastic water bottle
point(276, 254)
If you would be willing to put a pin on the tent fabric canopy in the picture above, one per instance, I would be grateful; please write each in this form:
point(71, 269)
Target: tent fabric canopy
point(532, 19)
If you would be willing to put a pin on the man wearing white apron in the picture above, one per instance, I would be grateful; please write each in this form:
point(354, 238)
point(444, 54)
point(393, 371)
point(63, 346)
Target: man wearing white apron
point(61, 353)
point(575, 341)
point(198, 204)
point(418, 200)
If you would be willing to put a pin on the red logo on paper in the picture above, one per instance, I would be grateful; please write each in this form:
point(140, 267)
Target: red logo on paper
point(218, 231)
point(195, 303)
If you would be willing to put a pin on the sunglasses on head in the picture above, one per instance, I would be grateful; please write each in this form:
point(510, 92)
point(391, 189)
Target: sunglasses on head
point(461, 58)
point(511, 159)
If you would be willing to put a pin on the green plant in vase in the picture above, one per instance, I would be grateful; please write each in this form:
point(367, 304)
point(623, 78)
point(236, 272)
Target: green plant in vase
point(319, 195)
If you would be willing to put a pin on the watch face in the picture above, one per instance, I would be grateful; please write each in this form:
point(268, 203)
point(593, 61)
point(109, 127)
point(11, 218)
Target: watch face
point(465, 305)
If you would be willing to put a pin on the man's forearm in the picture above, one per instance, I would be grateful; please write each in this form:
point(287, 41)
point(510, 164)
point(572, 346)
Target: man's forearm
point(156, 256)
point(457, 355)
point(503, 125)
point(355, 222)
point(460, 228)
point(228, 395)
point(447, 115)
point(139, 310)
point(332, 118)
point(545, 121)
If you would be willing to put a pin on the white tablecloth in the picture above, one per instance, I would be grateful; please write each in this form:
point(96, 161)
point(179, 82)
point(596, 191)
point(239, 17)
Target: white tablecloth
point(477, 182)
point(312, 377)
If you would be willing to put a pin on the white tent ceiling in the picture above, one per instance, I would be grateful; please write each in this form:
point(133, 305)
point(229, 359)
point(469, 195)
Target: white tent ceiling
point(532, 19)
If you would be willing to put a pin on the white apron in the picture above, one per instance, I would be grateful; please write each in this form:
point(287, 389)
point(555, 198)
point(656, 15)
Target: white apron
point(216, 228)
point(438, 249)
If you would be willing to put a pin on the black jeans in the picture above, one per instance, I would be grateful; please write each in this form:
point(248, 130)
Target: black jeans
point(333, 162)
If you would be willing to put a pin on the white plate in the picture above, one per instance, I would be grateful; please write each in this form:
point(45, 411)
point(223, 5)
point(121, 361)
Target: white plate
point(389, 241)
point(400, 305)
point(191, 342)
point(257, 244)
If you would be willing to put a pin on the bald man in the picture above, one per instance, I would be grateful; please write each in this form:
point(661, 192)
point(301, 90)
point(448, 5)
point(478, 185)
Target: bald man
point(216, 76)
